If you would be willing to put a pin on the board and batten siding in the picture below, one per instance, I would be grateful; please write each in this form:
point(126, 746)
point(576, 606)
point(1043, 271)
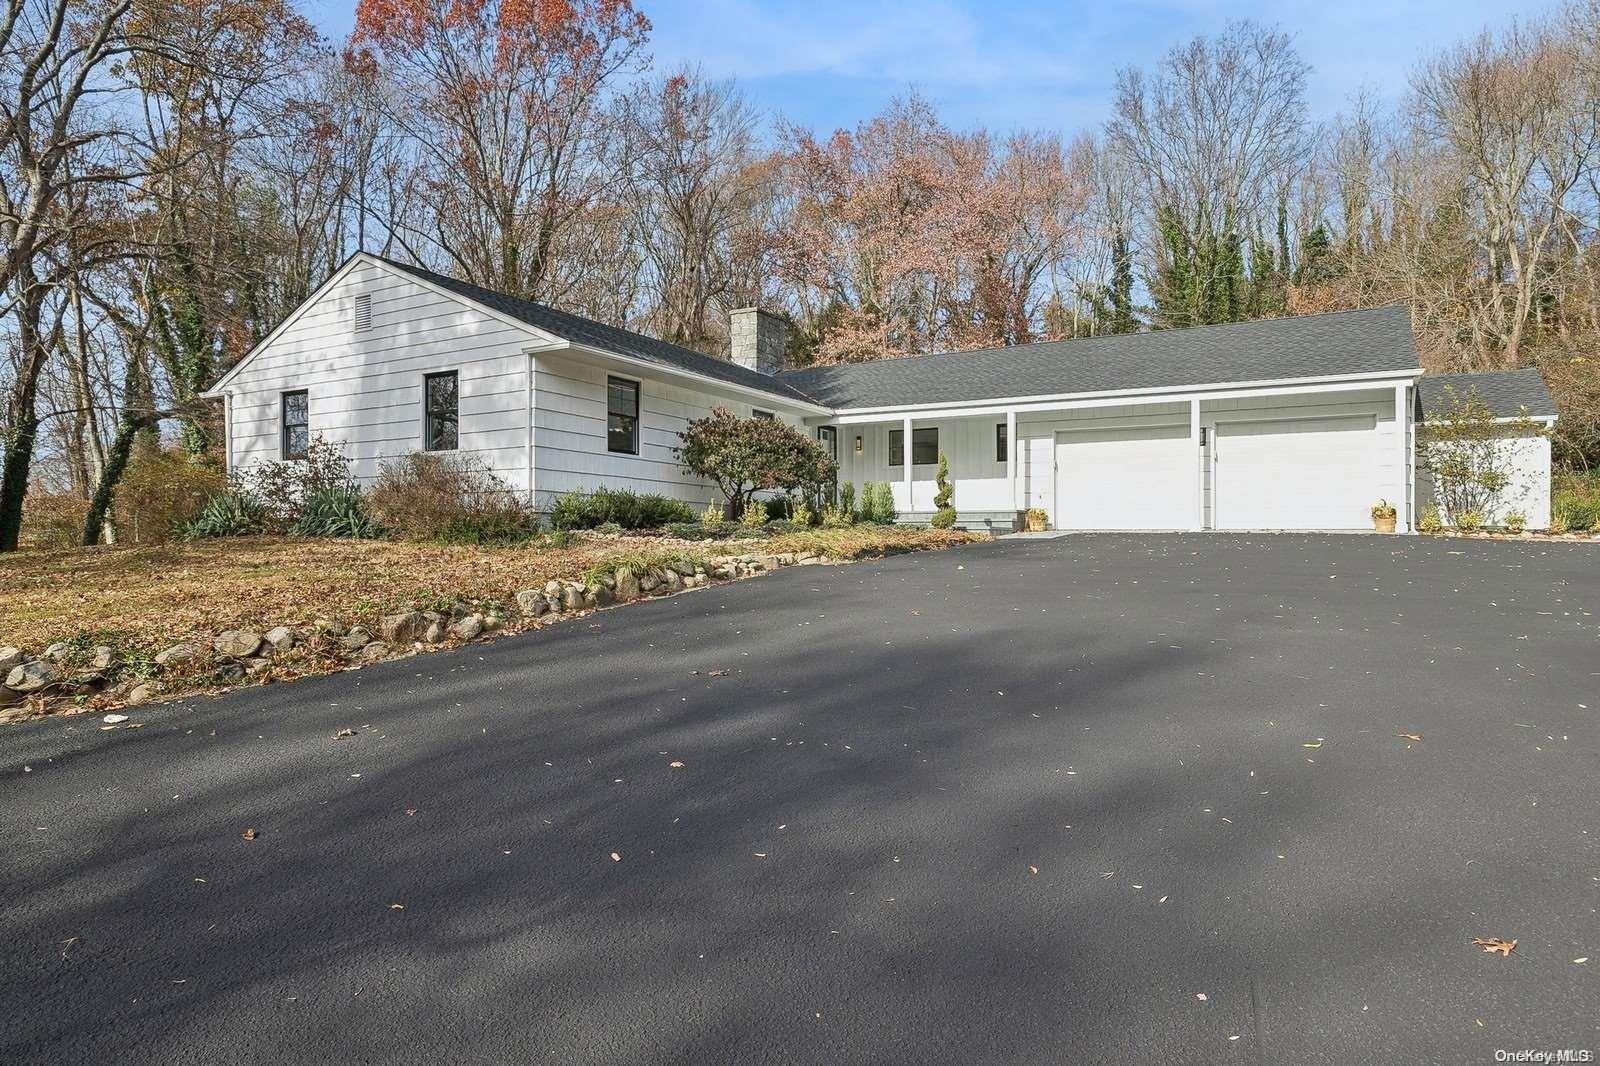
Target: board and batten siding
point(364, 389)
point(968, 444)
point(570, 453)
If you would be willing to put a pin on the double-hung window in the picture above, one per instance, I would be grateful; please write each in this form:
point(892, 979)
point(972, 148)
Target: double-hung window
point(622, 416)
point(765, 416)
point(924, 446)
point(1001, 444)
point(442, 412)
point(296, 424)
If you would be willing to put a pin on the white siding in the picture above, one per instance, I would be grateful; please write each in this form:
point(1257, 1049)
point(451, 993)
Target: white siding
point(1038, 431)
point(570, 452)
point(365, 388)
point(969, 445)
point(1527, 460)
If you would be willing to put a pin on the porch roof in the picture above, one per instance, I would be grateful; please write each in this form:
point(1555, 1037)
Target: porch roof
point(1342, 343)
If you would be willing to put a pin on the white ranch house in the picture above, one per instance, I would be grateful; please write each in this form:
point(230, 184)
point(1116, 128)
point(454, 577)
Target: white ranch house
point(1297, 423)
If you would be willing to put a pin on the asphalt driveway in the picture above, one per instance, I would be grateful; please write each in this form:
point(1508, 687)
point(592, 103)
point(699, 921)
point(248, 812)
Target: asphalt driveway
point(1109, 798)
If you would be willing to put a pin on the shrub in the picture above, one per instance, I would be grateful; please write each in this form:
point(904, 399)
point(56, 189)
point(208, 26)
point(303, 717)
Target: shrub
point(53, 519)
point(1382, 509)
point(1516, 522)
point(1576, 513)
point(836, 517)
point(754, 514)
point(1429, 521)
point(1460, 445)
point(336, 511)
point(847, 499)
point(877, 503)
point(744, 456)
point(284, 487)
point(1467, 521)
point(161, 491)
point(800, 513)
point(713, 516)
point(943, 500)
point(229, 514)
point(620, 507)
point(689, 530)
point(455, 498)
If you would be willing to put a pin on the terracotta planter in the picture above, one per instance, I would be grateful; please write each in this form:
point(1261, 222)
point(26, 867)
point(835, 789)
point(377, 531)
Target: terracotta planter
point(1384, 525)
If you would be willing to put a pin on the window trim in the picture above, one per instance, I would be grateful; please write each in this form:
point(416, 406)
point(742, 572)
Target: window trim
point(638, 414)
point(830, 442)
point(1002, 443)
point(765, 416)
point(897, 455)
point(427, 413)
point(283, 424)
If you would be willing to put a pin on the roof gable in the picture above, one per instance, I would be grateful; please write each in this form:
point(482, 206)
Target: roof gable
point(592, 334)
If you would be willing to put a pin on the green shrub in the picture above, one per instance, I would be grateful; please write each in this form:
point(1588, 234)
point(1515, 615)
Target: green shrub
point(877, 503)
point(847, 499)
point(488, 530)
point(689, 530)
point(1429, 521)
point(800, 513)
point(754, 515)
point(1467, 521)
point(229, 514)
point(836, 517)
point(943, 500)
point(623, 507)
point(713, 516)
point(1515, 522)
point(336, 511)
point(1576, 513)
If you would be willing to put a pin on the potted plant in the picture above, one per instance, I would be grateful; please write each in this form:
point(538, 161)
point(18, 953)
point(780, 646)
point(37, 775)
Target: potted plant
point(1036, 519)
point(1383, 516)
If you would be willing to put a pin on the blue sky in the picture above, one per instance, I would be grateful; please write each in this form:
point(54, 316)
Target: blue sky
point(1011, 64)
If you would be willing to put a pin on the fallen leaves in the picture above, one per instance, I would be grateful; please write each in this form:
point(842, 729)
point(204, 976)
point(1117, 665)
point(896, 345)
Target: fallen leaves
point(615, 857)
point(676, 764)
point(1409, 736)
point(249, 834)
point(1313, 744)
point(397, 906)
point(1494, 945)
point(344, 733)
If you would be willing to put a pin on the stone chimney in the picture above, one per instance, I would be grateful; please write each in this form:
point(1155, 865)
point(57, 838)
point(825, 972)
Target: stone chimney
point(759, 339)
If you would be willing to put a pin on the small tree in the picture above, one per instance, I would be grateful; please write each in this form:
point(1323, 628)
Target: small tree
point(1460, 445)
point(945, 515)
point(744, 456)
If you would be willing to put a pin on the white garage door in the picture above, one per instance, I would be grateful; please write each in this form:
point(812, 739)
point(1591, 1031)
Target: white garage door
point(1142, 478)
point(1316, 473)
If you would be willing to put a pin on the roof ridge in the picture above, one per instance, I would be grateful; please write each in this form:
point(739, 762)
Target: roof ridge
point(900, 359)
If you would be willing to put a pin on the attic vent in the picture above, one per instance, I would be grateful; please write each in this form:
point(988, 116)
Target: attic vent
point(363, 311)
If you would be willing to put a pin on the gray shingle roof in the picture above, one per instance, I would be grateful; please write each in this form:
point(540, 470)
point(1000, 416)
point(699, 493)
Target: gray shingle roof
point(1506, 392)
point(1345, 342)
point(585, 331)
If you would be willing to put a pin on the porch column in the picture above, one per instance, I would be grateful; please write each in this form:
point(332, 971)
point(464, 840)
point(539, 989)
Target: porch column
point(1199, 466)
point(905, 459)
point(1011, 456)
point(1402, 426)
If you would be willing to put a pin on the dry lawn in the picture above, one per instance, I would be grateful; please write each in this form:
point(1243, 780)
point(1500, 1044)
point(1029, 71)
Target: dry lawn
point(145, 598)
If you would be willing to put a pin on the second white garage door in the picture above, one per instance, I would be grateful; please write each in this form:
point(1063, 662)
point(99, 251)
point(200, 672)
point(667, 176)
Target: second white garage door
point(1142, 478)
point(1316, 473)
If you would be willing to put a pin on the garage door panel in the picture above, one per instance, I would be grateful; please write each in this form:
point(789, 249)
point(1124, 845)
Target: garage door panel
point(1316, 473)
point(1133, 478)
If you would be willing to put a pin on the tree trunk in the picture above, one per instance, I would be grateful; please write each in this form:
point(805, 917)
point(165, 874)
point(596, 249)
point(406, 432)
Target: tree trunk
point(111, 473)
point(24, 419)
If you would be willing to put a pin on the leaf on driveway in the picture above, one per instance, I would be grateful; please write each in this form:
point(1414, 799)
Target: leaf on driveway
point(676, 764)
point(1409, 736)
point(249, 834)
point(344, 733)
point(615, 857)
point(1494, 945)
point(718, 673)
point(397, 906)
point(1313, 743)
